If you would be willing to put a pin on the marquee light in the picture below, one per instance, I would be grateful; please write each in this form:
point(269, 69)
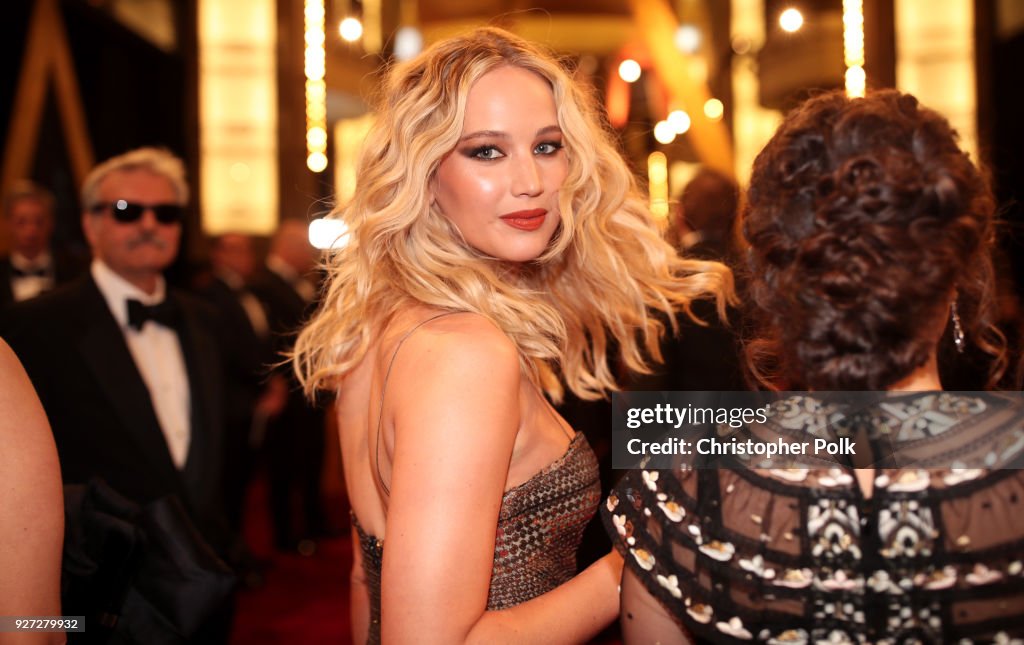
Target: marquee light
point(853, 47)
point(316, 87)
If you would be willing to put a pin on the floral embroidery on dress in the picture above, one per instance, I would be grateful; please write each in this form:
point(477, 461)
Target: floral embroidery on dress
point(699, 612)
point(788, 637)
point(672, 584)
point(783, 549)
point(643, 558)
point(720, 551)
point(621, 523)
point(672, 511)
point(910, 481)
point(651, 479)
point(840, 581)
point(789, 474)
point(612, 502)
point(943, 578)
point(982, 575)
point(835, 477)
point(795, 578)
point(960, 474)
point(835, 637)
point(734, 628)
point(756, 566)
point(833, 528)
point(906, 529)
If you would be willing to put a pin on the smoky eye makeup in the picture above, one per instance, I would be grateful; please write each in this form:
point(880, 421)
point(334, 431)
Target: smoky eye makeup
point(486, 152)
point(548, 147)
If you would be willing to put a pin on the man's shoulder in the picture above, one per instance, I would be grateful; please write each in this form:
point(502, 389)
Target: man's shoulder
point(50, 321)
point(267, 282)
point(212, 286)
point(62, 305)
point(281, 299)
point(194, 305)
point(201, 314)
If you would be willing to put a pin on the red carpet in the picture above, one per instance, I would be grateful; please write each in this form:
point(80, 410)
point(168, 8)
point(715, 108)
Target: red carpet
point(303, 599)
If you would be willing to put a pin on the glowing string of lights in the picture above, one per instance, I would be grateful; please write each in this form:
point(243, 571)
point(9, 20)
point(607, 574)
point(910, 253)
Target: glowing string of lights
point(657, 178)
point(316, 87)
point(853, 47)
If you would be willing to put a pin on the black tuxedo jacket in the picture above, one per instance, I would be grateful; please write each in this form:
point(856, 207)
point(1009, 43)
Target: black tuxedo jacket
point(248, 357)
point(100, 410)
point(286, 310)
point(64, 270)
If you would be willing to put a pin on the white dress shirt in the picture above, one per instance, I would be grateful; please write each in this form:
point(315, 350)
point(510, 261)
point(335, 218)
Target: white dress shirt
point(157, 353)
point(26, 287)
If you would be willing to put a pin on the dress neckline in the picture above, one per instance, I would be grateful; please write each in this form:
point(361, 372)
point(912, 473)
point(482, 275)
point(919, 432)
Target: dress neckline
point(554, 465)
point(577, 440)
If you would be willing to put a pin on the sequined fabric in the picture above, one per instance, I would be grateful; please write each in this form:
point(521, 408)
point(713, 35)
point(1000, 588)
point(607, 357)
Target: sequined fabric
point(540, 526)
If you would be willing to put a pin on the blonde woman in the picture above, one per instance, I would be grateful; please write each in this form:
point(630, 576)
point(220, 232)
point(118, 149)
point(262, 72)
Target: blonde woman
point(498, 245)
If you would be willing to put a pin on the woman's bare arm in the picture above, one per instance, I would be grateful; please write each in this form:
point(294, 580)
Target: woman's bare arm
point(644, 620)
point(456, 402)
point(31, 505)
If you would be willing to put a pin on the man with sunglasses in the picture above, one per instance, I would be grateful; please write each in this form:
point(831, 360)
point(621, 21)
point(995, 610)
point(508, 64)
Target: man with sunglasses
point(129, 369)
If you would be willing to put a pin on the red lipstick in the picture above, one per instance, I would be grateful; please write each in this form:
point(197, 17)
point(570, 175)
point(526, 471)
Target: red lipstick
point(529, 220)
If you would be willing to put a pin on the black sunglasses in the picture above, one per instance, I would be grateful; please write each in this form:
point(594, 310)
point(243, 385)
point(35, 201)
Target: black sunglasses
point(125, 211)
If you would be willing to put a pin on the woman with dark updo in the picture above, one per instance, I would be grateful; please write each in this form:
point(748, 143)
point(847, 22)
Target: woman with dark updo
point(869, 233)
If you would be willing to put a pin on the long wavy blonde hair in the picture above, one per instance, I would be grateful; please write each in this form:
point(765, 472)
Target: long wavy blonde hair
point(604, 271)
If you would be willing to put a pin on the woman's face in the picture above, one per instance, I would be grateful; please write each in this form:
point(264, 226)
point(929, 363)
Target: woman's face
point(500, 184)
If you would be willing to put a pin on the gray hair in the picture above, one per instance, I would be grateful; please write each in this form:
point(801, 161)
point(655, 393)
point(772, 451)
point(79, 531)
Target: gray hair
point(158, 161)
point(26, 189)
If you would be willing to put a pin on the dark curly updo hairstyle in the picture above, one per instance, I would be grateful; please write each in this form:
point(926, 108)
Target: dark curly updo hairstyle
point(864, 218)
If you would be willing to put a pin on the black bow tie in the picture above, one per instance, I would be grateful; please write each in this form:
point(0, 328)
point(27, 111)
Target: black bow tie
point(165, 313)
point(29, 273)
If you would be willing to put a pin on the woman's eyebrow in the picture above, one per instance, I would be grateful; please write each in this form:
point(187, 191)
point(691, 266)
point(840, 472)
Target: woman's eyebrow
point(480, 134)
point(498, 134)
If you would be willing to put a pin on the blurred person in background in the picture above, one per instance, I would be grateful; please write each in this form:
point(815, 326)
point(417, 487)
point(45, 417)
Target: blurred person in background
point(707, 215)
point(128, 369)
point(252, 395)
point(33, 266)
point(294, 444)
point(704, 355)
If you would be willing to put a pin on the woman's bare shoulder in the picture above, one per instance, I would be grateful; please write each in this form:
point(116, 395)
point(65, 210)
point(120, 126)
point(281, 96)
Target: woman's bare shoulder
point(466, 340)
point(457, 366)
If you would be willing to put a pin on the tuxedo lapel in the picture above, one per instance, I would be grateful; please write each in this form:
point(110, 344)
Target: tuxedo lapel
point(200, 352)
point(106, 353)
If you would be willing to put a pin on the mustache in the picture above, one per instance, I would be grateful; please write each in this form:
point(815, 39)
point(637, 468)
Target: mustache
point(147, 237)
